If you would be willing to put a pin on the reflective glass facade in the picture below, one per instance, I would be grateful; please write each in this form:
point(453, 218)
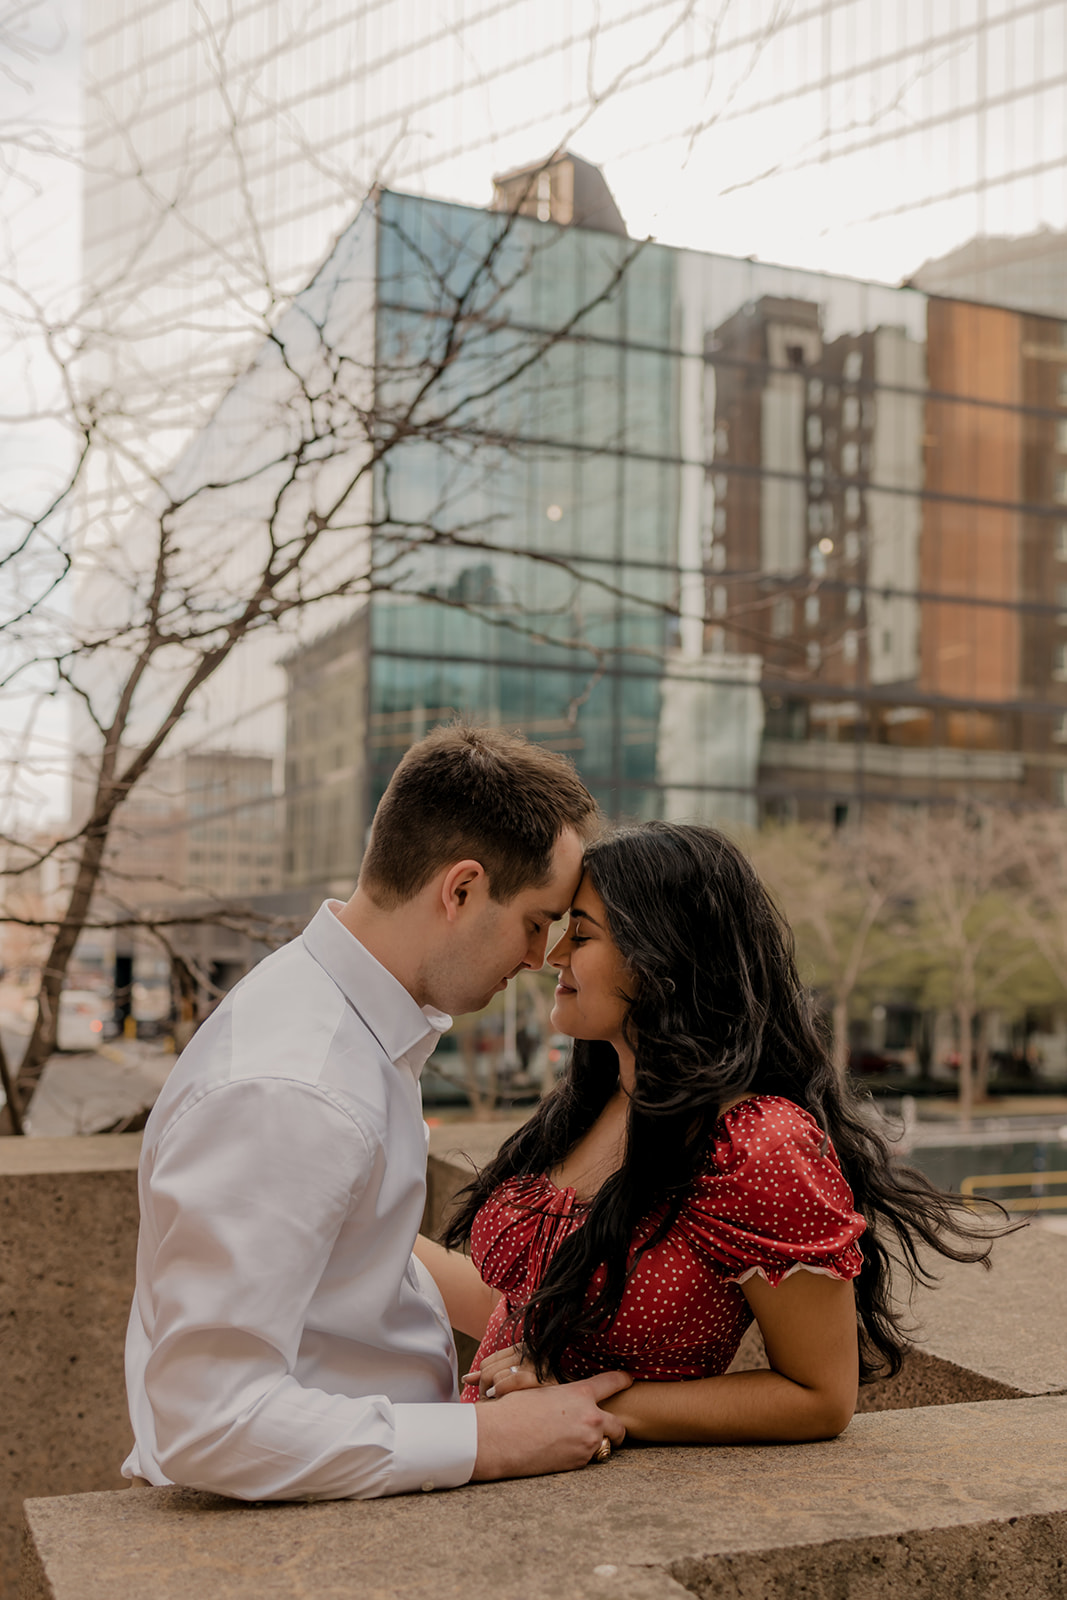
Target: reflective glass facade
point(845, 135)
point(744, 541)
point(548, 526)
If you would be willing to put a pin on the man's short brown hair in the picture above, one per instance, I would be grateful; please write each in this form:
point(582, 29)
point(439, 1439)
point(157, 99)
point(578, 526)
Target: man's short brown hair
point(479, 793)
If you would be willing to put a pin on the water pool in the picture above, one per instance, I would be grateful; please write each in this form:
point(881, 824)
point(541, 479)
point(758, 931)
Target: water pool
point(948, 1165)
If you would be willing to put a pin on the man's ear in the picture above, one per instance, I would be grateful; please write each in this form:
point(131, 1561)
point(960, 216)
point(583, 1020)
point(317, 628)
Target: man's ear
point(459, 883)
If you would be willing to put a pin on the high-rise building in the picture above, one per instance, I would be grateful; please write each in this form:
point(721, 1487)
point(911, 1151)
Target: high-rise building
point(1027, 273)
point(228, 147)
point(887, 516)
point(326, 815)
point(742, 540)
point(200, 835)
point(564, 189)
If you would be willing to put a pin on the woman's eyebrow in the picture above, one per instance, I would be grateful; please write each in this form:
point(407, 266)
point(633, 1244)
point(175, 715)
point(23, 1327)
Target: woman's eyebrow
point(576, 911)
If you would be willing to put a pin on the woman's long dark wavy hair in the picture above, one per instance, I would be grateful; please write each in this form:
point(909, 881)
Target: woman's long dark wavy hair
point(717, 1011)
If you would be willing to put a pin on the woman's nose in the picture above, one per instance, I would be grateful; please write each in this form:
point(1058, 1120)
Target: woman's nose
point(554, 959)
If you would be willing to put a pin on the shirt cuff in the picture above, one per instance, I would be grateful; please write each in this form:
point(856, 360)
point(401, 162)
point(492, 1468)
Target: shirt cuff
point(435, 1446)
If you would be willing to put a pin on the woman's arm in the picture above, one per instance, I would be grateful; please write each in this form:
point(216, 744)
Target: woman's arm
point(467, 1299)
point(809, 1328)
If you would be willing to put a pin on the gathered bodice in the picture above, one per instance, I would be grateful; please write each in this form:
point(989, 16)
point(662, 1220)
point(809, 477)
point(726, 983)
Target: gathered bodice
point(771, 1199)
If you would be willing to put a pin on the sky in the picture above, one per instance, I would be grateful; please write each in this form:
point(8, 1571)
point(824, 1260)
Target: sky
point(40, 88)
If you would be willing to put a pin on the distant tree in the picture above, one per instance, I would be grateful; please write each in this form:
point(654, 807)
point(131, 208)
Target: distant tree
point(970, 882)
point(841, 891)
point(1039, 841)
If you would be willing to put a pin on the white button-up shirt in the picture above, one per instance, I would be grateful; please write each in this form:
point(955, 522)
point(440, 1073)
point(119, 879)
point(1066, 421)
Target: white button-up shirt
point(284, 1343)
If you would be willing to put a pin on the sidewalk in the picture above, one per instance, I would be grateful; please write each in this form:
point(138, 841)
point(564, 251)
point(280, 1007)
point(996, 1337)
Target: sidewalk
point(1021, 1105)
point(911, 1123)
point(83, 1093)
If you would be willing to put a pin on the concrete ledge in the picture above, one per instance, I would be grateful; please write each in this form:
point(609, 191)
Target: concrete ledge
point(972, 1498)
point(993, 1335)
point(1006, 1325)
point(68, 1239)
point(100, 1152)
point(457, 1151)
point(68, 1225)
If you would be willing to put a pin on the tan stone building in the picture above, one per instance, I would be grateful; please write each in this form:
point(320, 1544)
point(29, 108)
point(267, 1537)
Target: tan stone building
point(326, 801)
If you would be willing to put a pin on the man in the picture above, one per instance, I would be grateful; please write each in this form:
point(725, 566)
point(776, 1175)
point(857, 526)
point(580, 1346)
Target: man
point(284, 1342)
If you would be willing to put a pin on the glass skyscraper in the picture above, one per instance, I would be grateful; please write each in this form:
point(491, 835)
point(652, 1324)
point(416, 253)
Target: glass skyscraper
point(547, 573)
point(834, 134)
point(749, 539)
point(743, 541)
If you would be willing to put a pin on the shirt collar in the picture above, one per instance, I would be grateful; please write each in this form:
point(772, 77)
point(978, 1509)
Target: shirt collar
point(406, 1031)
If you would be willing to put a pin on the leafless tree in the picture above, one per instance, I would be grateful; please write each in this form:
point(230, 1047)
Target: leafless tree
point(216, 474)
point(1039, 840)
point(266, 518)
point(963, 911)
point(215, 481)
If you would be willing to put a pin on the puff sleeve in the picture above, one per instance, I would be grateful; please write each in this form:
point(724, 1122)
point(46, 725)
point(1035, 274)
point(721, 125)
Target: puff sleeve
point(773, 1200)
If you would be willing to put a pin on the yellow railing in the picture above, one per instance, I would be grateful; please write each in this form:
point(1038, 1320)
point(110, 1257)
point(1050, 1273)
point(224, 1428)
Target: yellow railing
point(1011, 1180)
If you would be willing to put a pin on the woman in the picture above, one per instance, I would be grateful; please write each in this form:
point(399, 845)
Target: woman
point(700, 1164)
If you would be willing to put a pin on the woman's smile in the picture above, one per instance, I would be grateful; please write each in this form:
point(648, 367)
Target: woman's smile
point(600, 1002)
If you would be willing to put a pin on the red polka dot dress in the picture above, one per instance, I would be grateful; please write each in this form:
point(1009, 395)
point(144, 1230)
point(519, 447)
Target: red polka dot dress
point(771, 1200)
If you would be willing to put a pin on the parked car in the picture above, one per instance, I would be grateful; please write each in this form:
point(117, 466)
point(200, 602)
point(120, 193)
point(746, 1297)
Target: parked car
point(560, 1046)
point(871, 1063)
point(82, 1015)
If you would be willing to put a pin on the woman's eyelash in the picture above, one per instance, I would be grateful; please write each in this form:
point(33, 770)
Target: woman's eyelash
point(579, 938)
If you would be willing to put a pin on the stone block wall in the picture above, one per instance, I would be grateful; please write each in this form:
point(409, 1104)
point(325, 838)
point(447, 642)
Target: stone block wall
point(68, 1237)
point(68, 1240)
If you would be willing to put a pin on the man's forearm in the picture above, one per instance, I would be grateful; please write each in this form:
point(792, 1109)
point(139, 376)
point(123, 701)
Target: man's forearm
point(230, 1422)
point(556, 1428)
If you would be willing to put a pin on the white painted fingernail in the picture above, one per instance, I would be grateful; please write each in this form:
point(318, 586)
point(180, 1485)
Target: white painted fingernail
point(490, 1394)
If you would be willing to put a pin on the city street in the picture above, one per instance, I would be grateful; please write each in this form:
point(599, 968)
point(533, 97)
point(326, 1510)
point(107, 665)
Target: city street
point(14, 1043)
point(84, 1092)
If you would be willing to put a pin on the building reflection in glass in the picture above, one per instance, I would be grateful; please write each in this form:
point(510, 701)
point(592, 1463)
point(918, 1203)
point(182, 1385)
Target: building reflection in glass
point(744, 541)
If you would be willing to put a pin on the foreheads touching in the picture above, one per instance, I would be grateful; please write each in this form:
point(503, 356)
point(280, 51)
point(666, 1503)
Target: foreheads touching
point(468, 793)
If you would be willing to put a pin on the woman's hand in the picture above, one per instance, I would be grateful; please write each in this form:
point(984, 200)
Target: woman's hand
point(503, 1372)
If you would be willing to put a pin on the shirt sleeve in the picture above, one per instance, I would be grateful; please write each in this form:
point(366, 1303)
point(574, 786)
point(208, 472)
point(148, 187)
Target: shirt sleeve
point(774, 1199)
point(248, 1191)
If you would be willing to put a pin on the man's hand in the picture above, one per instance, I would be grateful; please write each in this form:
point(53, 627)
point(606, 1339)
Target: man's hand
point(553, 1429)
